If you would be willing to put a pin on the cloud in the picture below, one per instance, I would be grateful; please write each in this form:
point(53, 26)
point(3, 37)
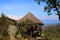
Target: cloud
point(14, 17)
point(51, 17)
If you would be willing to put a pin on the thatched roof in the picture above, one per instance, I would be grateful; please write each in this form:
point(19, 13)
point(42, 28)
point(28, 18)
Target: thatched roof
point(31, 17)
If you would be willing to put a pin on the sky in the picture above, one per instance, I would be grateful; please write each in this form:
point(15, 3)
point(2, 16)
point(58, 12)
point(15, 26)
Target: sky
point(16, 9)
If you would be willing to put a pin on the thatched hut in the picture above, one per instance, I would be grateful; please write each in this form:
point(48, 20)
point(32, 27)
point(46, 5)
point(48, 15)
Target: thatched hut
point(31, 21)
point(31, 17)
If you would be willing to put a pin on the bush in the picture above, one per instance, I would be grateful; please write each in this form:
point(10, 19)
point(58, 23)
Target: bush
point(52, 32)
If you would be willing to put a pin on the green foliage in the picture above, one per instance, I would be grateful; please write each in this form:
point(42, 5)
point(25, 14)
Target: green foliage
point(25, 26)
point(51, 5)
point(5, 38)
point(52, 32)
point(4, 23)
